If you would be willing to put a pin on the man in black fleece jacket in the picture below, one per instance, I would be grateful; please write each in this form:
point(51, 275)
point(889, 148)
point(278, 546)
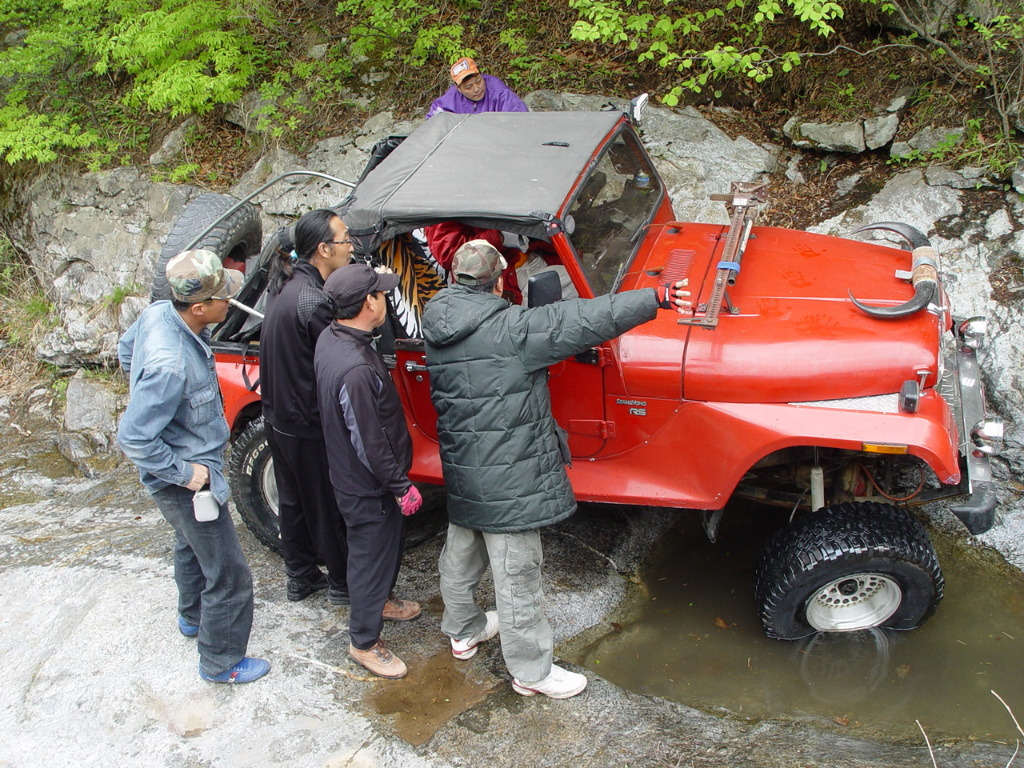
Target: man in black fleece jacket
point(297, 311)
point(369, 452)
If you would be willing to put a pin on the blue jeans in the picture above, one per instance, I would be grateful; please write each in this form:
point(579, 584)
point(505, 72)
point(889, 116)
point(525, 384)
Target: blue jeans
point(515, 560)
point(214, 582)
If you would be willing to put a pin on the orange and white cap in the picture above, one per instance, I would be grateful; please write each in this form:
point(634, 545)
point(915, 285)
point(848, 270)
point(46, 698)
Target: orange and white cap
point(462, 69)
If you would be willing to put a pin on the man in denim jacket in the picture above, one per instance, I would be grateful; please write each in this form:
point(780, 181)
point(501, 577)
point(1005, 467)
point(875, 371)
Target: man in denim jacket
point(175, 432)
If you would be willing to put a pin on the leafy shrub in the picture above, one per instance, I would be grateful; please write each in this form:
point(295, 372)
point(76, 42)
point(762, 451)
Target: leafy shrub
point(736, 31)
point(174, 56)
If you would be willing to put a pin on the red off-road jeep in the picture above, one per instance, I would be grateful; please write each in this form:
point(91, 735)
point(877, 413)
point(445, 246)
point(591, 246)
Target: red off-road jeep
point(781, 387)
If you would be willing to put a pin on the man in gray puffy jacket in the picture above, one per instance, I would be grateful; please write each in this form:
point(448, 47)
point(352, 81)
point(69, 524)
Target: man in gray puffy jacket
point(502, 453)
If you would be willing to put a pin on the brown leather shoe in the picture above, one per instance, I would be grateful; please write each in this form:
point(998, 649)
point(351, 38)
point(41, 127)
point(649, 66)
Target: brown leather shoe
point(400, 610)
point(380, 661)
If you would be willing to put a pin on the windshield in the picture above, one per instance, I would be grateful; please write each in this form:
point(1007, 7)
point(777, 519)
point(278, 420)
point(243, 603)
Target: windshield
point(617, 199)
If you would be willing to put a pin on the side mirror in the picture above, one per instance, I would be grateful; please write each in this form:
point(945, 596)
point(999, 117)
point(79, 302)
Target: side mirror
point(543, 288)
point(637, 107)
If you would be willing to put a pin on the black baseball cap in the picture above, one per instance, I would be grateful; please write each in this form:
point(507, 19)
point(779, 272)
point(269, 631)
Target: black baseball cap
point(352, 283)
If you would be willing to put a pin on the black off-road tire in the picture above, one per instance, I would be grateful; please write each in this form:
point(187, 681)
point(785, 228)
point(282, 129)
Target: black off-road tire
point(847, 545)
point(250, 471)
point(430, 520)
point(237, 237)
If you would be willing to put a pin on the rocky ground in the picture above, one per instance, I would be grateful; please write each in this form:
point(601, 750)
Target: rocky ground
point(94, 672)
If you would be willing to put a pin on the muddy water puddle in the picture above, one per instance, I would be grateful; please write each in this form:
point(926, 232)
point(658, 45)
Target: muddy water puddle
point(698, 641)
point(436, 690)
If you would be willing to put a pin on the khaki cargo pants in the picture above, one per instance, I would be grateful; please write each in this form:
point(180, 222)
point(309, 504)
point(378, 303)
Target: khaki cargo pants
point(515, 560)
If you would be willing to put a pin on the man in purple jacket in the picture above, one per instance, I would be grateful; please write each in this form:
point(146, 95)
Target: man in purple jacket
point(473, 92)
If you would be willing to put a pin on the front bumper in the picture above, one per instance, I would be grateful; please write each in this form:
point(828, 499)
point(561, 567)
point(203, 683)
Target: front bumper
point(963, 389)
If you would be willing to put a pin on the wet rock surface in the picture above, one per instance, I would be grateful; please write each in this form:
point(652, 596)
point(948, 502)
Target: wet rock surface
point(96, 674)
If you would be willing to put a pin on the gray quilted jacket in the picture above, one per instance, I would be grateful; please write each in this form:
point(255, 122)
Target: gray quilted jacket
point(501, 453)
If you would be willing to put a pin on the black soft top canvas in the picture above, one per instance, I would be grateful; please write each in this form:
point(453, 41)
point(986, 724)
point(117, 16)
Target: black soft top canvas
point(503, 170)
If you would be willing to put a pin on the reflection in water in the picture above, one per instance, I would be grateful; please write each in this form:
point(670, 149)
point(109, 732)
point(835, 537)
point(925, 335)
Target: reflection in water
point(698, 641)
point(843, 668)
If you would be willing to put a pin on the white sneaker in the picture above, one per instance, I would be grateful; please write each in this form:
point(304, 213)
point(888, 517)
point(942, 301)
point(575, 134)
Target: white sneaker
point(466, 649)
point(560, 684)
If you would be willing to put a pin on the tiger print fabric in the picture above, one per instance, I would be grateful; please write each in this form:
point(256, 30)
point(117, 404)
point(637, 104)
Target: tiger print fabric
point(421, 278)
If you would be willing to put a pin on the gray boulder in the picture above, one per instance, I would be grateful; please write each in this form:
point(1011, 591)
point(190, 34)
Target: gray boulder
point(879, 131)
point(91, 407)
point(926, 140)
point(172, 144)
point(905, 198)
point(963, 178)
point(828, 137)
point(697, 159)
point(94, 238)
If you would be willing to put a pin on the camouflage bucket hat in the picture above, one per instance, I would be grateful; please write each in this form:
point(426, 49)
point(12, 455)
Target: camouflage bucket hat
point(198, 275)
point(477, 263)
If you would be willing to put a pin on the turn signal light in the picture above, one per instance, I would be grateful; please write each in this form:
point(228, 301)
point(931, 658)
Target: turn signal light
point(884, 448)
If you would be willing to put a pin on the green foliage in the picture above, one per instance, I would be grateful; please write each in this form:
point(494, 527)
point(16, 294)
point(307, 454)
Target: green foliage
point(411, 32)
point(998, 154)
point(992, 53)
point(87, 78)
point(735, 29)
point(702, 44)
point(118, 295)
point(84, 68)
point(83, 77)
point(404, 30)
point(59, 388)
point(295, 93)
point(25, 312)
point(183, 172)
point(185, 56)
point(26, 135)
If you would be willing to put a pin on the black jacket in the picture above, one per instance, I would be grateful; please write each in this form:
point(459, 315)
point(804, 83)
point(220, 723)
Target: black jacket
point(369, 450)
point(501, 453)
point(294, 320)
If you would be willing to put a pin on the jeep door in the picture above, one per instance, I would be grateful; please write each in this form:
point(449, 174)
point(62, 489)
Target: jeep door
point(606, 218)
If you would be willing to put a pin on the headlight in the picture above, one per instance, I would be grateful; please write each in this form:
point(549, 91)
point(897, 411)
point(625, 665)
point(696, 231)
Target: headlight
point(987, 436)
point(971, 333)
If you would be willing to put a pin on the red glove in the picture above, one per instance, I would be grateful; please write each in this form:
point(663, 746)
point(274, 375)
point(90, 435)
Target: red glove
point(665, 296)
point(411, 501)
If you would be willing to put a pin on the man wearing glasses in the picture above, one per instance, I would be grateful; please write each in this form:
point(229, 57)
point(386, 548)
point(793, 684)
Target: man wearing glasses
point(297, 312)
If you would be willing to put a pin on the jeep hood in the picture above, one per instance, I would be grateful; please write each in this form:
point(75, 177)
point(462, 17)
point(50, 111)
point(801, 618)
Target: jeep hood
point(795, 336)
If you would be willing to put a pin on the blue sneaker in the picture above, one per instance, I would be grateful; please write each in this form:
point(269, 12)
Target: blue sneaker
point(188, 630)
point(245, 671)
